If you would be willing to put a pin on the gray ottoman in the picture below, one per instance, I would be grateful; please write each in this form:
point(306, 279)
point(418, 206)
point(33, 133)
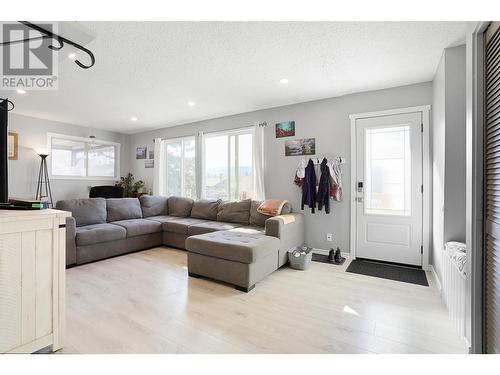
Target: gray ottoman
point(235, 257)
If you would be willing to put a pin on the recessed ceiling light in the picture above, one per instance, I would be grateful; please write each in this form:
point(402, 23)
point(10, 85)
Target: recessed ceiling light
point(72, 56)
point(21, 91)
point(284, 81)
point(133, 119)
point(191, 104)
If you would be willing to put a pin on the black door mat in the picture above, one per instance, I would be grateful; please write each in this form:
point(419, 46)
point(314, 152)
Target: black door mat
point(388, 271)
point(324, 259)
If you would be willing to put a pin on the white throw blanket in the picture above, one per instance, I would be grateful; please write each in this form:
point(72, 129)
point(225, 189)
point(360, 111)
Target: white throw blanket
point(457, 253)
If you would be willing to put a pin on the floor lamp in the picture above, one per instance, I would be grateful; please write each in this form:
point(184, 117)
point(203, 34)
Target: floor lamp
point(43, 192)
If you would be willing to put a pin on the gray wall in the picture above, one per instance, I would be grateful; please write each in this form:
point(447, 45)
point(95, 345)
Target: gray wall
point(449, 148)
point(438, 155)
point(23, 173)
point(326, 120)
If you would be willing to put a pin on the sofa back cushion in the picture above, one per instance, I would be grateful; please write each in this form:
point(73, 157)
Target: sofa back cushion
point(123, 209)
point(234, 212)
point(256, 218)
point(85, 211)
point(179, 206)
point(153, 205)
point(205, 209)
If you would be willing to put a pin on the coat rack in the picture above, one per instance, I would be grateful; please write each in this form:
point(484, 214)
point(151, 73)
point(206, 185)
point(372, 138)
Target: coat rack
point(338, 159)
point(46, 34)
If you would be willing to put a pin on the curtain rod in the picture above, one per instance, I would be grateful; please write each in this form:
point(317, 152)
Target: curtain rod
point(259, 123)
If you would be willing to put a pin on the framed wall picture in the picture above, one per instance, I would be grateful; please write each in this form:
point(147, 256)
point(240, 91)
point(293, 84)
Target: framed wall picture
point(299, 147)
point(285, 129)
point(149, 163)
point(140, 152)
point(13, 146)
point(151, 154)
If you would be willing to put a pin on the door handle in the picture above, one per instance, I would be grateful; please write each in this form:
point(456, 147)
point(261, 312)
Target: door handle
point(360, 186)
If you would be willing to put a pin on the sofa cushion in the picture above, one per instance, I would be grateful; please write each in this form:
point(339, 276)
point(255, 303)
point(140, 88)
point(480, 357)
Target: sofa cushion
point(211, 226)
point(153, 205)
point(205, 209)
point(178, 206)
point(123, 209)
point(234, 246)
point(85, 211)
point(249, 229)
point(181, 225)
point(234, 212)
point(163, 218)
point(256, 218)
point(98, 233)
point(138, 227)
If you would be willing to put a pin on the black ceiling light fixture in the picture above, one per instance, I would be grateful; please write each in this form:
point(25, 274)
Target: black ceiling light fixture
point(47, 34)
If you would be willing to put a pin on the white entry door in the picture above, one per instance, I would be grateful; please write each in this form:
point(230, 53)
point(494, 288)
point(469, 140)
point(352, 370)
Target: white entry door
point(389, 188)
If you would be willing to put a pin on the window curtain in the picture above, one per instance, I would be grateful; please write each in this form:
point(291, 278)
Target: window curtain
point(200, 165)
point(159, 168)
point(258, 161)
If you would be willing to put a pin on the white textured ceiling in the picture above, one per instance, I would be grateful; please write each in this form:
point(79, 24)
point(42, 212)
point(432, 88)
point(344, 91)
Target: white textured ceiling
point(152, 69)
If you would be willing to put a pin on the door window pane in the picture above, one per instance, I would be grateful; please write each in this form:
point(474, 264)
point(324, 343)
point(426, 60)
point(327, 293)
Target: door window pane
point(189, 166)
point(216, 167)
point(388, 171)
point(180, 155)
point(229, 166)
point(174, 169)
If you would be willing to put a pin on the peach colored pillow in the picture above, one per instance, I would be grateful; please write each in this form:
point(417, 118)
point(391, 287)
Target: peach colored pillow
point(271, 207)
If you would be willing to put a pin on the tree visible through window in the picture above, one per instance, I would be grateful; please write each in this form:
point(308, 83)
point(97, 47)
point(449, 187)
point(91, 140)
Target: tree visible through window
point(180, 167)
point(228, 165)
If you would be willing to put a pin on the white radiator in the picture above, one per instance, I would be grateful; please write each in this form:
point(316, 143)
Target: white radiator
point(453, 293)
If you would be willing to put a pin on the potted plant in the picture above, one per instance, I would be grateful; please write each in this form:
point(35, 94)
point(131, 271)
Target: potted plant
point(131, 188)
point(137, 187)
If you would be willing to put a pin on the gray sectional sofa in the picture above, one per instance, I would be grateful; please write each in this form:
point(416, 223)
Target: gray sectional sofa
point(226, 241)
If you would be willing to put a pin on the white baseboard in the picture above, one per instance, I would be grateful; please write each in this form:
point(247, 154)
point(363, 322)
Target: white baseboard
point(326, 252)
point(436, 278)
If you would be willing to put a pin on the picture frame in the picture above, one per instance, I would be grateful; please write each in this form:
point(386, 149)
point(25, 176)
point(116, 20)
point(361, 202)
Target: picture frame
point(141, 152)
point(12, 146)
point(285, 129)
point(300, 147)
point(151, 154)
point(149, 163)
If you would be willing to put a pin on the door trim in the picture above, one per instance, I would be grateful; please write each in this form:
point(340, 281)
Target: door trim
point(426, 175)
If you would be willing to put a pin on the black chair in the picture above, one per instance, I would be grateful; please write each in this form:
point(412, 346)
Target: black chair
point(106, 192)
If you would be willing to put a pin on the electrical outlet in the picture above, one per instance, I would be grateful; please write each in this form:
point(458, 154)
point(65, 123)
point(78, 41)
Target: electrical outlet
point(329, 237)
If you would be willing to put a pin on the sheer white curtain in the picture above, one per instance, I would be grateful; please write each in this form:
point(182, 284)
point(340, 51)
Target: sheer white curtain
point(200, 165)
point(159, 168)
point(258, 161)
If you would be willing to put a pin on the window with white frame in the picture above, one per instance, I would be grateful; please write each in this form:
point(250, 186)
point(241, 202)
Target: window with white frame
point(83, 158)
point(228, 165)
point(179, 156)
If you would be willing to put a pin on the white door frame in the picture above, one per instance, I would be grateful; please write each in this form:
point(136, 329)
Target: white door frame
point(426, 175)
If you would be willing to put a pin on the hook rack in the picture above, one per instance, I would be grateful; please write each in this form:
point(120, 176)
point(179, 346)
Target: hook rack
point(46, 34)
point(338, 159)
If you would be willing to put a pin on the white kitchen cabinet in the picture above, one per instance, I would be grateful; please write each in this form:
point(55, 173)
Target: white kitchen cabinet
point(32, 280)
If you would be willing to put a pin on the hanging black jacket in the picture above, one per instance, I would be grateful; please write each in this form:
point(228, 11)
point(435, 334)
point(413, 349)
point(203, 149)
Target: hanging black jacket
point(323, 196)
point(309, 187)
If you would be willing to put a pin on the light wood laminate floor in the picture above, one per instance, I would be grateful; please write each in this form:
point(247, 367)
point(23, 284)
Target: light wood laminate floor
point(145, 303)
